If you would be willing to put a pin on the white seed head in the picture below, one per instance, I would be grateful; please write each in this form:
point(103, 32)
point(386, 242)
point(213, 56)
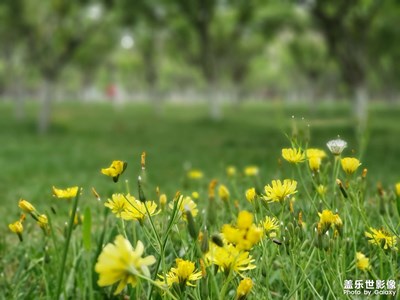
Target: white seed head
point(336, 146)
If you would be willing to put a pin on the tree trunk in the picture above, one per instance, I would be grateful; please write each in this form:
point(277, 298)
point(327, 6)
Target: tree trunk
point(45, 106)
point(151, 73)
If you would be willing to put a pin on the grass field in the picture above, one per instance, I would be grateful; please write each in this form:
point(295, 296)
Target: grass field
point(86, 137)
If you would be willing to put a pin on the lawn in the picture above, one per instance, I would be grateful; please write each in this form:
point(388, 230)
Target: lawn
point(84, 138)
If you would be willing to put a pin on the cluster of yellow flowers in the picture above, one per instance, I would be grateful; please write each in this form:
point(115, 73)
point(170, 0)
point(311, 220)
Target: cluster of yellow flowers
point(128, 207)
point(245, 234)
point(41, 219)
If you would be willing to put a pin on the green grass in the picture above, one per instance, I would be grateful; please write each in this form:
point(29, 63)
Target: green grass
point(86, 137)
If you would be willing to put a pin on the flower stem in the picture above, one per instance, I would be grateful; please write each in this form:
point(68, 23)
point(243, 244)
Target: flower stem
point(64, 257)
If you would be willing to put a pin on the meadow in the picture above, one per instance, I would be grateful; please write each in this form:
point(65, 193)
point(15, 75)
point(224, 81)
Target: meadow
point(297, 242)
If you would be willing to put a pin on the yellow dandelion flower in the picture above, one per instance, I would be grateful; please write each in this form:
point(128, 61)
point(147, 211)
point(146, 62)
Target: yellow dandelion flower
point(321, 190)
point(67, 193)
point(327, 217)
point(223, 192)
point(271, 226)
point(195, 195)
point(195, 174)
point(251, 194)
point(26, 206)
point(313, 152)
point(119, 262)
point(381, 238)
point(16, 227)
point(163, 200)
point(244, 288)
point(136, 210)
point(116, 168)
point(244, 220)
point(253, 236)
point(251, 171)
point(350, 164)
point(314, 163)
point(293, 155)
point(245, 235)
point(280, 191)
point(183, 274)
point(42, 221)
point(397, 189)
point(229, 258)
point(118, 203)
point(184, 204)
point(231, 171)
point(362, 262)
point(231, 234)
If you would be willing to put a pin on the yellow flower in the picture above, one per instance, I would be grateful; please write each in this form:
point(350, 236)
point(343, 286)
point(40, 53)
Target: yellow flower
point(195, 195)
point(381, 238)
point(293, 155)
point(211, 188)
point(327, 219)
point(398, 189)
point(271, 225)
point(251, 194)
point(231, 171)
point(223, 192)
point(42, 221)
point(186, 203)
point(120, 262)
point(195, 174)
point(115, 170)
point(313, 152)
point(314, 163)
point(362, 262)
point(183, 274)
point(251, 171)
point(229, 258)
point(321, 190)
point(279, 191)
point(16, 227)
point(67, 193)
point(136, 210)
point(244, 220)
point(26, 206)
point(163, 200)
point(336, 146)
point(350, 164)
point(118, 203)
point(244, 288)
point(245, 235)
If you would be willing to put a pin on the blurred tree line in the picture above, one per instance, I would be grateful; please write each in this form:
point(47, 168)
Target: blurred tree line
point(220, 49)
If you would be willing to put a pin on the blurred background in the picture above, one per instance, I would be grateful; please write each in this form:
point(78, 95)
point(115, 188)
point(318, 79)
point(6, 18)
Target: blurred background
point(195, 83)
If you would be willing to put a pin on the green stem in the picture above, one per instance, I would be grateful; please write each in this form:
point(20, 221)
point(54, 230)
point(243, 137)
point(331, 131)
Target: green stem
point(65, 253)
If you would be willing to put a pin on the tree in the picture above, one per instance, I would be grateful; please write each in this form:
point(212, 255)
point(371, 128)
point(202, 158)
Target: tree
point(199, 15)
point(52, 33)
point(12, 27)
point(345, 26)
